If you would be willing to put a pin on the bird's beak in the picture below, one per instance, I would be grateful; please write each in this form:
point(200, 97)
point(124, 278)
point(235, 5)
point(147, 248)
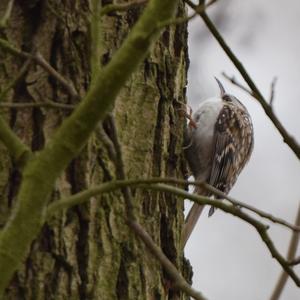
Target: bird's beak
point(221, 87)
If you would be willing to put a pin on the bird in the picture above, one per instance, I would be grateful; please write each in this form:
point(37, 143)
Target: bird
point(218, 143)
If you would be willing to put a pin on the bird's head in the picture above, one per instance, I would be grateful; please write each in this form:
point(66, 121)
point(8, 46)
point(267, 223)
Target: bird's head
point(227, 97)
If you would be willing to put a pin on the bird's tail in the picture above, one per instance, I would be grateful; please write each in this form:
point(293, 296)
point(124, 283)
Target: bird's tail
point(192, 217)
point(212, 209)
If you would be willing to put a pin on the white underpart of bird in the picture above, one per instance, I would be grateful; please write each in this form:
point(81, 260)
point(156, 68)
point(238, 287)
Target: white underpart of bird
point(218, 144)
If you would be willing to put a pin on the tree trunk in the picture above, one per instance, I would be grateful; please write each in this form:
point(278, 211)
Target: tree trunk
point(88, 252)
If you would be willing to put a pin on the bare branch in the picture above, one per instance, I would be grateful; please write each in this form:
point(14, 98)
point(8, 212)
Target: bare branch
point(260, 227)
point(12, 50)
point(85, 195)
point(290, 256)
point(40, 60)
point(233, 80)
point(121, 6)
point(250, 92)
point(200, 8)
point(19, 151)
point(295, 261)
point(107, 142)
point(177, 278)
point(17, 78)
point(259, 212)
point(144, 184)
point(287, 138)
point(120, 168)
point(48, 104)
point(125, 6)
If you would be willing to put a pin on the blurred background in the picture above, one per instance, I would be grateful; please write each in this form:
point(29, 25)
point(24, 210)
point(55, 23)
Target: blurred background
point(228, 257)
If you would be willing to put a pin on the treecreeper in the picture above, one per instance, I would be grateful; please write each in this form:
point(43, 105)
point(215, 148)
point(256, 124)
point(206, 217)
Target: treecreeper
point(218, 144)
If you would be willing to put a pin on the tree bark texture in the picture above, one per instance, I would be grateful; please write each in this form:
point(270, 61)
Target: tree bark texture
point(88, 252)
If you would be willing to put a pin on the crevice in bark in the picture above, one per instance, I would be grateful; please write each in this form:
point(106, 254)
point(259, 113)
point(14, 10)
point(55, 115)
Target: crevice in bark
point(61, 263)
point(38, 139)
point(105, 2)
point(30, 273)
point(105, 58)
point(82, 251)
point(107, 176)
point(180, 38)
point(16, 289)
point(173, 157)
point(29, 4)
point(122, 281)
point(54, 48)
point(148, 202)
point(53, 279)
point(76, 176)
point(46, 239)
point(142, 278)
point(133, 15)
point(167, 239)
point(13, 185)
point(32, 11)
point(147, 69)
point(14, 176)
point(158, 136)
point(166, 38)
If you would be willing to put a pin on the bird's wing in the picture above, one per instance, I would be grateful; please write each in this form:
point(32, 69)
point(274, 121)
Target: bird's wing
point(232, 147)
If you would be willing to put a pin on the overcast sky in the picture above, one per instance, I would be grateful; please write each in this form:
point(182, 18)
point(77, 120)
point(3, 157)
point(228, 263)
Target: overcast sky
point(229, 259)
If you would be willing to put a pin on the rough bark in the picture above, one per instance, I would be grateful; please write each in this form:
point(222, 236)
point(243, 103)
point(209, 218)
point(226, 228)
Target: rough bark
point(88, 252)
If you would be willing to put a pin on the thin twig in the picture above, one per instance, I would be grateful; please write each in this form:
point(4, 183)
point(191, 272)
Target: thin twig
point(259, 212)
point(178, 280)
point(287, 138)
point(231, 209)
point(17, 78)
point(6, 16)
point(98, 189)
point(272, 95)
point(125, 6)
point(233, 80)
point(120, 6)
point(290, 256)
point(295, 261)
point(200, 8)
point(120, 167)
point(48, 104)
point(107, 142)
point(40, 60)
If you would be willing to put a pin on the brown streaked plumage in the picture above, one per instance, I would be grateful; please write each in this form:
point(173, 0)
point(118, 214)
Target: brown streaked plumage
point(218, 148)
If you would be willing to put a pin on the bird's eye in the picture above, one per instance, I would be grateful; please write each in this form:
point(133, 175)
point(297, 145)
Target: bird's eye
point(227, 98)
point(197, 118)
